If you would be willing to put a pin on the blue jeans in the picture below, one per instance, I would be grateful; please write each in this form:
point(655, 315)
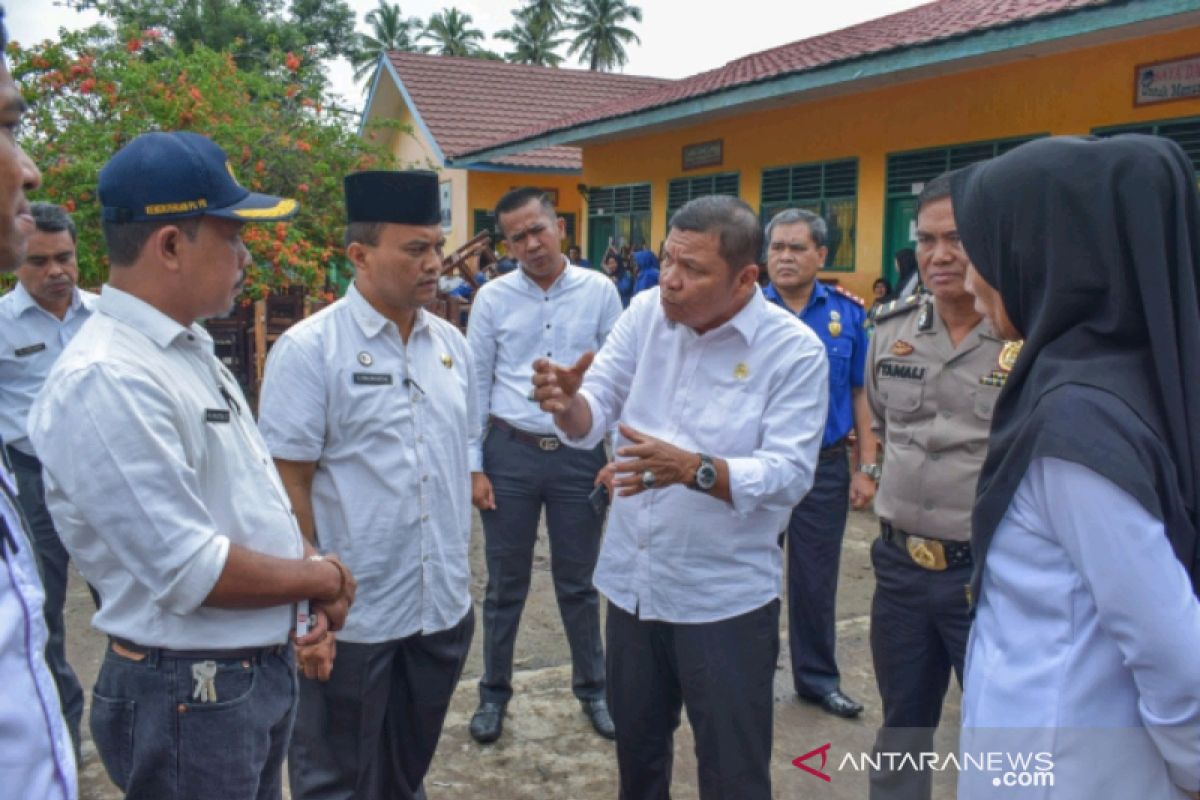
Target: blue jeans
point(159, 743)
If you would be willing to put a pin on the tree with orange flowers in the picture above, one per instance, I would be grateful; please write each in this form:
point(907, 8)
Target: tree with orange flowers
point(90, 94)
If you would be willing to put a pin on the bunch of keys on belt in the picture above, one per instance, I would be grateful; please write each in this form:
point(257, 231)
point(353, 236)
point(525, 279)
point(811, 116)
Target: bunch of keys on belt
point(204, 673)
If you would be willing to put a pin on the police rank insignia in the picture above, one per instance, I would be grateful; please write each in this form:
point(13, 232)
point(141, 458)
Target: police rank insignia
point(447, 361)
point(902, 348)
point(365, 359)
point(741, 371)
point(835, 323)
point(1008, 355)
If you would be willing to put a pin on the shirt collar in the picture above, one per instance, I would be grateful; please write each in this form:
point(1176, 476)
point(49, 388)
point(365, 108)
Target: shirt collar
point(746, 321)
point(369, 320)
point(563, 278)
point(24, 301)
point(819, 292)
point(144, 318)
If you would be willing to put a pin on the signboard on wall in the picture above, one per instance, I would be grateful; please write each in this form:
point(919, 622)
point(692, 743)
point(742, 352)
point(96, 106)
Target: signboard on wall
point(703, 154)
point(1165, 81)
point(447, 197)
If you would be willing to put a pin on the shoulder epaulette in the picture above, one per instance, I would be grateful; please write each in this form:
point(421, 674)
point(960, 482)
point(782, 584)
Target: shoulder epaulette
point(896, 308)
point(855, 298)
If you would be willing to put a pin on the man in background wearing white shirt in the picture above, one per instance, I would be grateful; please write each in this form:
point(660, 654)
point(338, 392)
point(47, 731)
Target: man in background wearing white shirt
point(721, 399)
point(37, 319)
point(165, 495)
point(35, 747)
point(546, 309)
point(367, 407)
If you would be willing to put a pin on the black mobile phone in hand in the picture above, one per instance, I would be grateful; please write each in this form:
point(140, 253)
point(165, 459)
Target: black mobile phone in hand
point(599, 498)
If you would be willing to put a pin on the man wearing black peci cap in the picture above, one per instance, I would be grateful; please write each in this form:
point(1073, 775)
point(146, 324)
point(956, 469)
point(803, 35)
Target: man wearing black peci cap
point(164, 494)
point(368, 407)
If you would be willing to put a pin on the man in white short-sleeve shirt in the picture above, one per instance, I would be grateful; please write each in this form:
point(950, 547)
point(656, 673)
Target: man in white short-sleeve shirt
point(165, 496)
point(367, 407)
point(721, 401)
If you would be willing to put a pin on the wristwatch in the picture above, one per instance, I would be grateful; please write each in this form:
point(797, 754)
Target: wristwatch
point(706, 474)
point(872, 471)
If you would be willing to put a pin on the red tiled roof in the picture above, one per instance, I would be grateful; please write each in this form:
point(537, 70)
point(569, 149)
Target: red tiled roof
point(936, 21)
point(468, 102)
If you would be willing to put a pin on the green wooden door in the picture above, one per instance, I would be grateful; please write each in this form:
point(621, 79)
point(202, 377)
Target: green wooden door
point(600, 230)
point(901, 233)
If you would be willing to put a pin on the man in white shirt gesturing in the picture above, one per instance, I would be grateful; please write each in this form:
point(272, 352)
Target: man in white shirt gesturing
point(546, 309)
point(721, 400)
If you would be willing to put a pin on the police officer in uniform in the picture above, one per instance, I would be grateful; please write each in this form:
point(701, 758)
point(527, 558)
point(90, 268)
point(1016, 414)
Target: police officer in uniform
point(935, 369)
point(796, 252)
point(367, 408)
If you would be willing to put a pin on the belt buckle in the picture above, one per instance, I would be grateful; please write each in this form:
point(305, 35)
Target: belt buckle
point(548, 443)
point(927, 553)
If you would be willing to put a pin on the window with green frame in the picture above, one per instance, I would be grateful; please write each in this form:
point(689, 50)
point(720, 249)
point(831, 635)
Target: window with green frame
point(681, 190)
point(828, 188)
point(619, 212)
point(1184, 132)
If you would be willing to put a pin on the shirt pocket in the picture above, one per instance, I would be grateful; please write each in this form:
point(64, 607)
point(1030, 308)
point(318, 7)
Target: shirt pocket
point(840, 351)
point(985, 401)
point(364, 399)
point(901, 397)
point(579, 336)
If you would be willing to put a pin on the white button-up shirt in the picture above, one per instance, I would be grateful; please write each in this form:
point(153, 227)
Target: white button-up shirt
point(754, 392)
point(36, 757)
point(153, 467)
point(513, 322)
point(388, 424)
point(31, 339)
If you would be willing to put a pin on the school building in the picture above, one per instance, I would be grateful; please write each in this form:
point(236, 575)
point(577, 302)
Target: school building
point(851, 124)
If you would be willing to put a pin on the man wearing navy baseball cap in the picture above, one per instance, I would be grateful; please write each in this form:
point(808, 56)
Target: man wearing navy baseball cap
point(165, 496)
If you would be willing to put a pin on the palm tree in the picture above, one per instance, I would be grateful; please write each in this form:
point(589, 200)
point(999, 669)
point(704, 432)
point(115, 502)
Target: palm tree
point(533, 40)
point(390, 30)
point(451, 32)
point(550, 11)
point(600, 33)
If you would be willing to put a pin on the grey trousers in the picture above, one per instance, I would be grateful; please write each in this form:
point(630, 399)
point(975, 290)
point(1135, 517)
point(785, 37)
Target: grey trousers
point(370, 731)
point(53, 560)
point(524, 479)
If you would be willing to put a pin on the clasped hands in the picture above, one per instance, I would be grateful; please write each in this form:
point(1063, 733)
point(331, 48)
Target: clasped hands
point(555, 389)
point(316, 650)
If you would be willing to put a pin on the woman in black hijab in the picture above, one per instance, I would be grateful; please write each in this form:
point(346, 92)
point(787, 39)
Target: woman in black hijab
point(1086, 641)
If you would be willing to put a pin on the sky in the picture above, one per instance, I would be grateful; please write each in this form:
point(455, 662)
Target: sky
point(678, 38)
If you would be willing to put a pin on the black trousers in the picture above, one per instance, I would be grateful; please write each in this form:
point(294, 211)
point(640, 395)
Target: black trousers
point(53, 560)
point(524, 479)
point(370, 731)
point(722, 673)
point(814, 545)
point(920, 621)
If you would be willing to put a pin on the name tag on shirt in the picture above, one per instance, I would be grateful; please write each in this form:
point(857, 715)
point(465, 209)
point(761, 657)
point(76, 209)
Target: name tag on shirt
point(29, 350)
point(373, 378)
point(216, 415)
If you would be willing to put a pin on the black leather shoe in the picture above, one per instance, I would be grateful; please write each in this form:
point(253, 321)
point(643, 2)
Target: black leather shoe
point(488, 722)
point(597, 711)
point(836, 703)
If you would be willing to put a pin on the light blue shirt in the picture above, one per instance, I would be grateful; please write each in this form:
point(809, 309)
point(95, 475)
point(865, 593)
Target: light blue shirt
point(514, 321)
point(388, 424)
point(153, 469)
point(36, 756)
point(752, 391)
point(1086, 646)
point(31, 340)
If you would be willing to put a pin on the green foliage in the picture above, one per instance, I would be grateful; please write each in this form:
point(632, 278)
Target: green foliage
point(88, 99)
point(600, 32)
point(533, 37)
point(390, 30)
point(452, 33)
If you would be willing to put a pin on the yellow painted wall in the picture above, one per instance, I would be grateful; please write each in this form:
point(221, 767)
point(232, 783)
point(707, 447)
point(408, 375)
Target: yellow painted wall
point(488, 187)
point(1069, 93)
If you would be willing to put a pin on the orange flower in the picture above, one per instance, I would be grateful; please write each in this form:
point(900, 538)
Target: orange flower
point(291, 91)
point(195, 93)
point(292, 61)
point(87, 86)
point(260, 167)
point(69, 205)
point(303, 146)
point(302, 188)
point(133, 45)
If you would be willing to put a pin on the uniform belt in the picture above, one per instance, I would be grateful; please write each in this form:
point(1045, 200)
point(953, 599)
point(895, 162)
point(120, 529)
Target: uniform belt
point(547, 443)
point(23, 460)
point(837, 448)
point(240, 654)
point(931, 554)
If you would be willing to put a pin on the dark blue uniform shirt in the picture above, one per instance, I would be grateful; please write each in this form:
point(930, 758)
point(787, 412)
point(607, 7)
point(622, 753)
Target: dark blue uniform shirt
point(828, 312)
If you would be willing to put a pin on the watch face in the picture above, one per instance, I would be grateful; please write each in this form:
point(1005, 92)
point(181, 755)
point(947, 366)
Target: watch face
point(706, 476)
